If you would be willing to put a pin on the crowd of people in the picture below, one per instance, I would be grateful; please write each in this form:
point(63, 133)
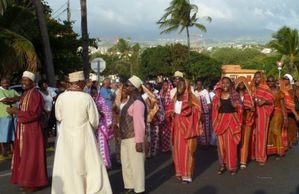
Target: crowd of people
point(247, 120)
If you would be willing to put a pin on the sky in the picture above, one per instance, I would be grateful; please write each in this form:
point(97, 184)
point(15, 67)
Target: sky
point(231, 19)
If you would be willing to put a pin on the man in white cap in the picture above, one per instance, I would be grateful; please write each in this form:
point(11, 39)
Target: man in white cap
point(177, 75)
point(78, 167)
point(132, 132)
point(29, 158)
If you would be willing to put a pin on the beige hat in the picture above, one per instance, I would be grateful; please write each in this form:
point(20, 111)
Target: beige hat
point(29, 75)
point(76, 76)
point(178, 74)
point(136, 81)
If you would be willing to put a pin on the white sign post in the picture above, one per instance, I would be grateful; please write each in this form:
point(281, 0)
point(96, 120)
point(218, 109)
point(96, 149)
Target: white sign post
point(98, 65)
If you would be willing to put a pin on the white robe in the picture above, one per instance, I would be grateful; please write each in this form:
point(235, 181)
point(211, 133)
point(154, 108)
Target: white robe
point(78, 166)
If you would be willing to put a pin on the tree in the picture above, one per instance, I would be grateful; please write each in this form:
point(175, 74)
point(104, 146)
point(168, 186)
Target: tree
point(286, 42)
point(17, 51)
point(48, 59)
point(205, 68)
point(85, 38)
point(167, 59)
point(3, 6)
point(65, 43)
point(182, 15)
point(127, 54)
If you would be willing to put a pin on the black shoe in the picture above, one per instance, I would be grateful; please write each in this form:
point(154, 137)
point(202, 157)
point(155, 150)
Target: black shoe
point(128, 191)
point(140, 192)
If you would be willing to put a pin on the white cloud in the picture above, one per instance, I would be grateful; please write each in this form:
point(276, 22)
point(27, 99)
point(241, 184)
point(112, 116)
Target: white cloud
point(137, 18)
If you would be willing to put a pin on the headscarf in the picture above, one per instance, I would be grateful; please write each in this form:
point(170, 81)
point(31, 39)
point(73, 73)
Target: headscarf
point(234, 95)
point(290, 78)
point(167, 97)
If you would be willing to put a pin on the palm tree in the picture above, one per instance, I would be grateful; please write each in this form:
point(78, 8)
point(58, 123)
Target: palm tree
point(181, 15)
point(3, 5)
point(85, 38)
point(286, 42)
point(46, 43)
point(16, 50)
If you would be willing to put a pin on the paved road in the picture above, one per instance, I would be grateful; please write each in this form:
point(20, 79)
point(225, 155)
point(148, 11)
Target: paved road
point(277, 177)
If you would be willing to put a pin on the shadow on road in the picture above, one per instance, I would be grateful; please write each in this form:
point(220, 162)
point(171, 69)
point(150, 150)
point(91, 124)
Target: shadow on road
point(205, 157)
point(259, 192)
point(297, 191)
point(207, 190)
point(160, 169)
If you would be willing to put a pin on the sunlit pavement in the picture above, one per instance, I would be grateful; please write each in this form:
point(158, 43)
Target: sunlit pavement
point(276, 177)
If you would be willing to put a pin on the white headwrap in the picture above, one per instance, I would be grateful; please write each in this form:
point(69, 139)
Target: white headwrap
point(290, 78)
point(136, 81)
point(76, 76)
point(29, 75)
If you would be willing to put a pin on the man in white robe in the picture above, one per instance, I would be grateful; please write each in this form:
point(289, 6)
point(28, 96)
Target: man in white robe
point(78, 166)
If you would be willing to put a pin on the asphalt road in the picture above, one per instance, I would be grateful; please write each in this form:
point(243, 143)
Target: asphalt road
point(276, 177)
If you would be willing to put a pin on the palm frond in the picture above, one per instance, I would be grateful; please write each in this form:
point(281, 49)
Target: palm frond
point(208, 18)
point(3, 6)
point(200, 27)
point(19, 52)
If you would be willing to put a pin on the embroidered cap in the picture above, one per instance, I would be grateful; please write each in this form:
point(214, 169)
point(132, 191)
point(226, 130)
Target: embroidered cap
point(29, 75)
point(76, 76)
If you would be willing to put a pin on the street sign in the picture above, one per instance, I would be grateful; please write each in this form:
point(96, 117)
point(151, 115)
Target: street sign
point(98, 65)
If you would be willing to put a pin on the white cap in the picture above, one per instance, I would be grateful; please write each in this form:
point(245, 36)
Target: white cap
point(178, 74)
point(29, 75)
point(76, 76)
point(136, 81)
point(290, 78)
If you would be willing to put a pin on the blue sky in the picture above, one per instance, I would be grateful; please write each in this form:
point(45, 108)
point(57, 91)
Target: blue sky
point(231, 18)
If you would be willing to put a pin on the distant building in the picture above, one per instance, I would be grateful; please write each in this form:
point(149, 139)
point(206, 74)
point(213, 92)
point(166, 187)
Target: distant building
point(266, 51)
point(235, 71)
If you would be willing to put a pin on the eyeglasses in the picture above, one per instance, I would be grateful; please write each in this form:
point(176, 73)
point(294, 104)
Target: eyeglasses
point(285, 78)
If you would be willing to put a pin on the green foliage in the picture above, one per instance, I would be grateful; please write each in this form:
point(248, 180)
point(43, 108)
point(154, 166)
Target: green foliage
point(156, 60)
point(181, 14)
point(205, 68)
point(170, 58)
point(235, 56)
point(17, 51)
point(123, 59)
point(20, 30)
point(64, 43)
point(286, 42)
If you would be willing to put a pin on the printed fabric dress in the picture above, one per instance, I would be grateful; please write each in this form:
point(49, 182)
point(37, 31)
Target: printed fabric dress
point(104, 131)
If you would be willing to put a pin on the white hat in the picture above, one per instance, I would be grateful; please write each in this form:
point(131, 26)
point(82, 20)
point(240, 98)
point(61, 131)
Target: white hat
point(76, 76)
point(290, 78)
point(178, 74)
point(136, 81)
point(29, 75)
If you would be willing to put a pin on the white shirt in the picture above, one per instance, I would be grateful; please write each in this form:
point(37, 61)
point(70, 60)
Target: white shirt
point(204, 93)
point(48, 99)
point(178, 107)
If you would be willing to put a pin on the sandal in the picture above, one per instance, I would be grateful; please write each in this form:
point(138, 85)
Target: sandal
point(233, 172)
point(221, 170)
point(243, 166)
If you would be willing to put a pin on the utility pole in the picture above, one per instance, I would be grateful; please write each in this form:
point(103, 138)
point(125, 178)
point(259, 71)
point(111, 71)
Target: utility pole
point(68, 11)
